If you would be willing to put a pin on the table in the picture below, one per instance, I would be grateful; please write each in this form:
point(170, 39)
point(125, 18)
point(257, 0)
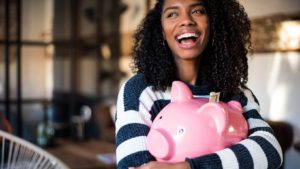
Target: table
point(83, 154)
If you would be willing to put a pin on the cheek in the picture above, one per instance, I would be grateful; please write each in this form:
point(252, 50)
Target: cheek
point(167, 30)
point(204, 24)
point(166, 34)
point(207, 26)
point(206, 29)
point(207, 32)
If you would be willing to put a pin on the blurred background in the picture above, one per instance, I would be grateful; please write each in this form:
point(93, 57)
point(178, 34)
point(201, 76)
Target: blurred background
point(62, 62)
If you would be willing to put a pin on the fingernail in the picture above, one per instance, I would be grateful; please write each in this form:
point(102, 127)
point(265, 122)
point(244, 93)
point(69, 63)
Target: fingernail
point(130, 167)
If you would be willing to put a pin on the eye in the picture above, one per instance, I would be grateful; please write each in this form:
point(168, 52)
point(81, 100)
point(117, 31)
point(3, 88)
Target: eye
point(160, 117)
point(201, 11)
point(180, 130)
point(171, 14)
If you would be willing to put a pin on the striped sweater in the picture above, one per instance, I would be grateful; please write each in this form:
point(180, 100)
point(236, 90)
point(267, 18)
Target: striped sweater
point(138, 104)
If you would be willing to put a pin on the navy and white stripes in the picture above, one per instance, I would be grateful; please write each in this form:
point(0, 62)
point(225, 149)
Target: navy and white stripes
point(138, 105)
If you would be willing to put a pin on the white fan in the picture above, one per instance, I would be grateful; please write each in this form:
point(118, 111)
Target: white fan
point(17, 153)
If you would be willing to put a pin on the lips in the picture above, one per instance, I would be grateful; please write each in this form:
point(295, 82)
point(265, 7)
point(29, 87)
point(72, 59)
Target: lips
point(188, 40)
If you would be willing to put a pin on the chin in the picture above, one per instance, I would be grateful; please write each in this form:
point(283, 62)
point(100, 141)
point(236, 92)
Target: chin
point(188, 55)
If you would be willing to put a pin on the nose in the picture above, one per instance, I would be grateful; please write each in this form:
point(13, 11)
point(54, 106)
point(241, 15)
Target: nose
point(187, 20)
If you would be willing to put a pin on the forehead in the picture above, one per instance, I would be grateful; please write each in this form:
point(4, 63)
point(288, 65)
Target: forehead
point(168, 3)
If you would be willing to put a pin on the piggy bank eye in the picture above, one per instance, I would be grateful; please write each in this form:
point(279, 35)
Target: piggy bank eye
point(180, 130)
point(160, 117)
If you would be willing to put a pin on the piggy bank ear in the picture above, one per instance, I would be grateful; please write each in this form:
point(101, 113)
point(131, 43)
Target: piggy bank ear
point(236, 105)
point(215, 115)
point(180, 92)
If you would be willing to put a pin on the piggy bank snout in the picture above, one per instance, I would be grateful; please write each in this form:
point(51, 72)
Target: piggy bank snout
point(159, 143)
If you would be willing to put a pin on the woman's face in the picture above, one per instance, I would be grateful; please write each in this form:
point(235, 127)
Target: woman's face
point(185, 27)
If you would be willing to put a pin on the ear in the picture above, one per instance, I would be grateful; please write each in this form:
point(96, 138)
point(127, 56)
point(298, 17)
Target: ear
point(214, 112)
point(180, 92)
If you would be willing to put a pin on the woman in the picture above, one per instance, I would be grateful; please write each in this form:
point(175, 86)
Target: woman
point(203, 43)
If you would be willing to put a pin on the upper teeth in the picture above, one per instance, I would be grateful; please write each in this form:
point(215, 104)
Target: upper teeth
point(187, 35)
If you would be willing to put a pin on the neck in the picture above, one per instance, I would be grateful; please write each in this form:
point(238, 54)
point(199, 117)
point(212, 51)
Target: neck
point(187, 71)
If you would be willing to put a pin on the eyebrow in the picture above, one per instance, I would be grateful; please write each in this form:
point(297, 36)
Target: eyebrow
point(176, 7)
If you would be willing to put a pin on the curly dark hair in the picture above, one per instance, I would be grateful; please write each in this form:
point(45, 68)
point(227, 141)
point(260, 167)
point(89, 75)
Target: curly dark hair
point(223, 67)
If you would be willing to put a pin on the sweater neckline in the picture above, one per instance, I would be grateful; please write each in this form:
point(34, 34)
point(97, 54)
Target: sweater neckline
point(198, 90)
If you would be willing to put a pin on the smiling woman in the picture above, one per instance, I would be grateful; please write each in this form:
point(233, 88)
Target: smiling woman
point(203, 43)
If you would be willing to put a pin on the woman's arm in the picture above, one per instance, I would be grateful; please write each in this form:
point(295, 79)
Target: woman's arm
point(161, 165)
point(133, 118)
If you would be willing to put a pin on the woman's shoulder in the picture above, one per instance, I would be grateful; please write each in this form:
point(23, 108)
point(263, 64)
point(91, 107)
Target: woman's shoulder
point(137, 81)
point(250, 100)
point(248, 94)
point(136, 90)
point(135, 85)
point(247, 99)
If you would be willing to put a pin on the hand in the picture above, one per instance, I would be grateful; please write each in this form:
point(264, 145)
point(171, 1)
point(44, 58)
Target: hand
point(161, 165)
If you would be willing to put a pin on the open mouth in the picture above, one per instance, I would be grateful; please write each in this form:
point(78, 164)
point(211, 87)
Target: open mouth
point(187, 40)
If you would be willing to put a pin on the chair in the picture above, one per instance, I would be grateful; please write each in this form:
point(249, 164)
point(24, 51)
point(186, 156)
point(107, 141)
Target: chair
point(16, 153)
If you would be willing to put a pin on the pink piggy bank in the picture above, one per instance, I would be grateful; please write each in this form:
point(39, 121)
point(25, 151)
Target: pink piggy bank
point(190, 127)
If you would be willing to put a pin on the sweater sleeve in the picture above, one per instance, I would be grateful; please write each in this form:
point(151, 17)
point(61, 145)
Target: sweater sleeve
point(260, 150)
point(132, 124)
